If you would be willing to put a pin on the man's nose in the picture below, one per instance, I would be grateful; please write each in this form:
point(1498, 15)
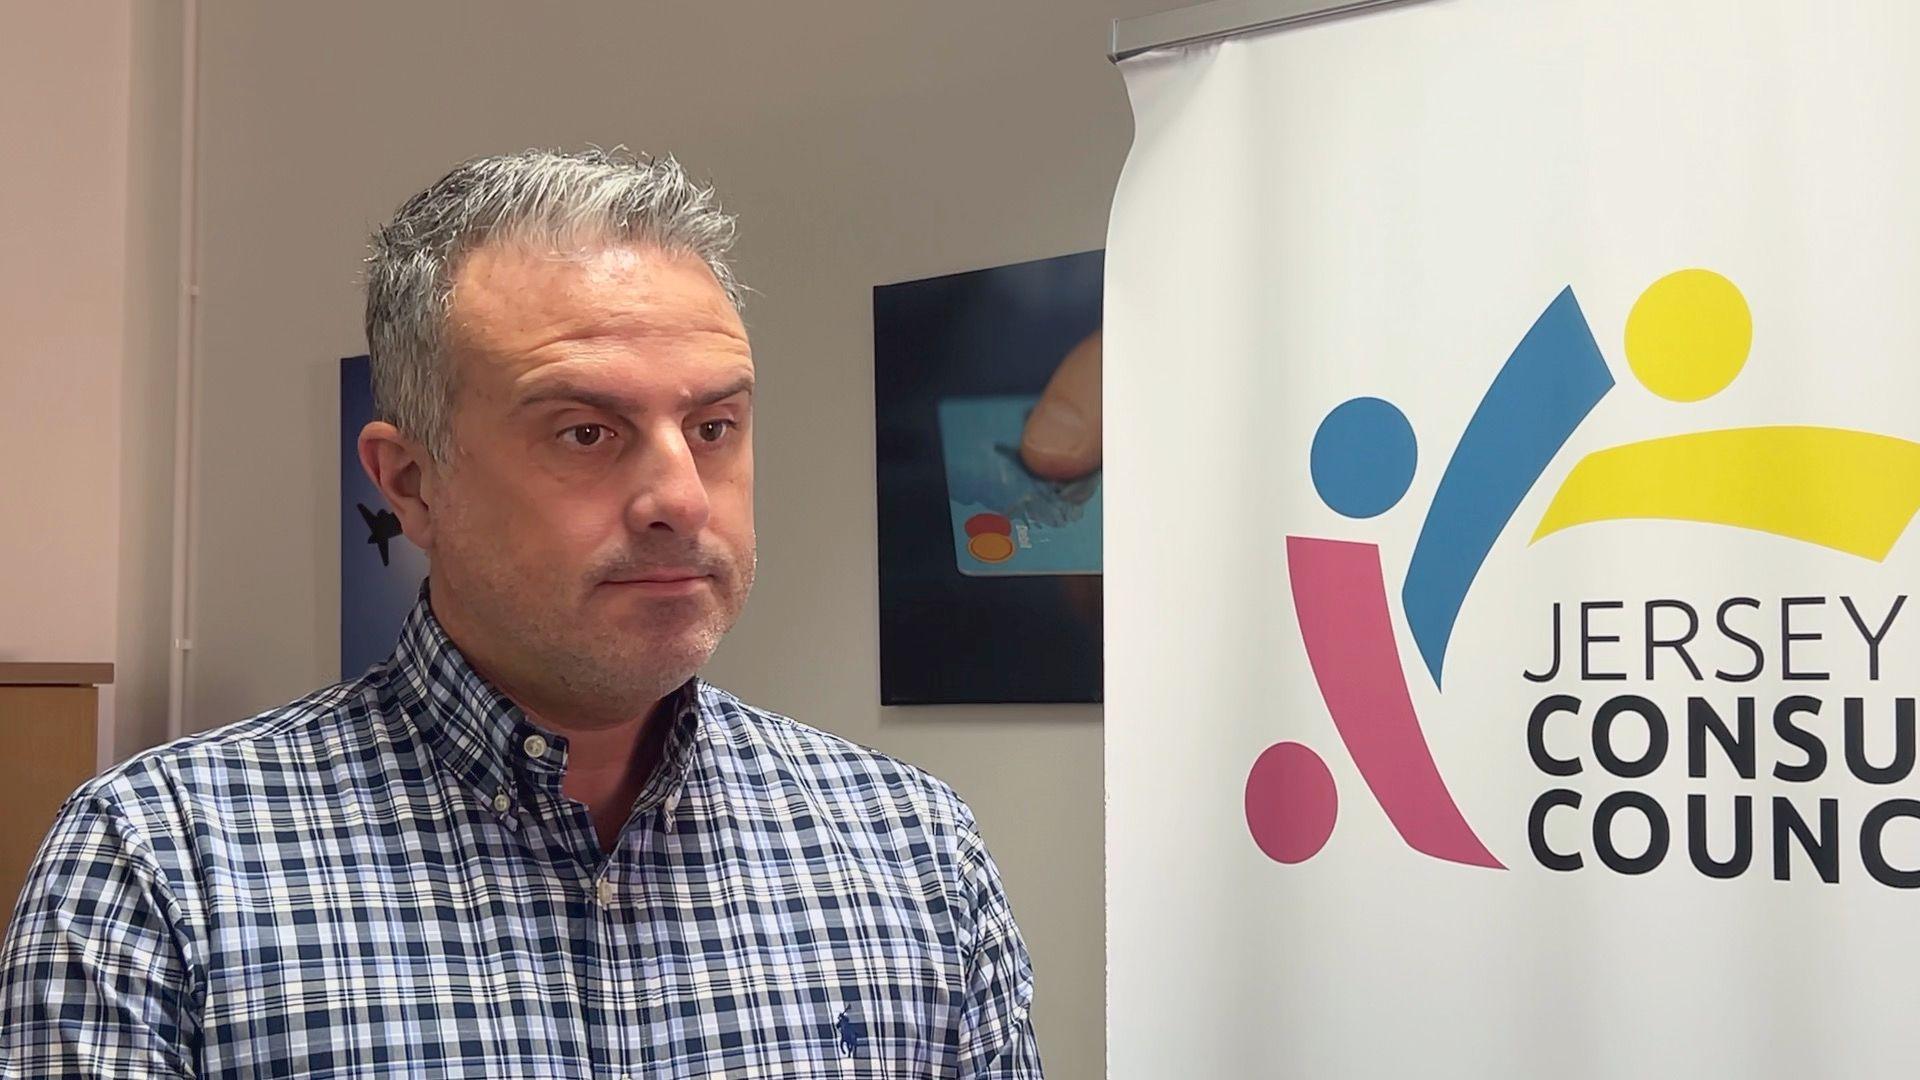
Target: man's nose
point(670, 492)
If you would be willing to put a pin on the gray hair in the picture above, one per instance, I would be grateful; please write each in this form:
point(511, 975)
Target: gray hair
point(556, 201)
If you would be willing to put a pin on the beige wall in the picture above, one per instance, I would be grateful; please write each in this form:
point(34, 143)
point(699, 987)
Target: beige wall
point(90, 108)
point(64, 112)
point(859, 143)
point(77, 432)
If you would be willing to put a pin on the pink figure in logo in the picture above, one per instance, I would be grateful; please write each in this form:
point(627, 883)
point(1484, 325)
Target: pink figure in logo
point(1363, 462)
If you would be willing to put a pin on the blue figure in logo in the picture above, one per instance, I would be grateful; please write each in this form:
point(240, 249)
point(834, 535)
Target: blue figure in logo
point(1545, 389)
point(850, 1033)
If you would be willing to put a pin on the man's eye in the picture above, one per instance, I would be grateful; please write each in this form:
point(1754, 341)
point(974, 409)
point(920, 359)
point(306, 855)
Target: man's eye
point(585, 434)
point(714, 436)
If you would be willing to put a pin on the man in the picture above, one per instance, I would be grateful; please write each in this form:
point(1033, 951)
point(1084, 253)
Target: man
point(532, 843)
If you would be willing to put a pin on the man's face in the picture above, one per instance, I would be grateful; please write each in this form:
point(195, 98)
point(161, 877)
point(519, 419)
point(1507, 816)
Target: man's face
point(602, 436)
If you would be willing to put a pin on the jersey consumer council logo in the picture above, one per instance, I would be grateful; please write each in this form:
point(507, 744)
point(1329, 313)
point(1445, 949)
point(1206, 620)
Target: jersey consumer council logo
point(1687, 337)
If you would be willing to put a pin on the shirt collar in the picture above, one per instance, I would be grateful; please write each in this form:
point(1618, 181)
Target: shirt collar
point(484, 738)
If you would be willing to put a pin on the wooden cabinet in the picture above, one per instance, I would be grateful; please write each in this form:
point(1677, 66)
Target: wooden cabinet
point(49, 717)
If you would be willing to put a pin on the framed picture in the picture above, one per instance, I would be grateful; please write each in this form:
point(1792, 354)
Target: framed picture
point(990, 587)
point(380, 570)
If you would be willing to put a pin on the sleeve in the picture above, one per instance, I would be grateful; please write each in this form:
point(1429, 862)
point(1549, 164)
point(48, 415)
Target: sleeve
point(996, 1028)
point(93, 978)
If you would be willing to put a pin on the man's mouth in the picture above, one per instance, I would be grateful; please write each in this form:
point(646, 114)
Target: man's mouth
point(663, 582)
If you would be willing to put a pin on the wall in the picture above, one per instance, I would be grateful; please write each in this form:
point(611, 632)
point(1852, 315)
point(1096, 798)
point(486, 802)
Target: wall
point(90, 96)
point(64, 92)
point(64, 110)
point(884, 142)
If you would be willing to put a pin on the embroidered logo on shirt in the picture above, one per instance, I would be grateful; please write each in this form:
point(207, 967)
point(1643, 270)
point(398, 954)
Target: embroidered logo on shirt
point(850, 1032)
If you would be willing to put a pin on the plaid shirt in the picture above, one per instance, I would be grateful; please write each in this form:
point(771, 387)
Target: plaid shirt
point(384, 880)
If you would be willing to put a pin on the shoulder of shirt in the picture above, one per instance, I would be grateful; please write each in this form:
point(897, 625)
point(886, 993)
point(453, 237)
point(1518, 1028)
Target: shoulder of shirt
point(833, 765)
point(295, 727)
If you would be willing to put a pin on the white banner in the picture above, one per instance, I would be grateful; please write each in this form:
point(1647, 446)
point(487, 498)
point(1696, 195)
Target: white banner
point(1512, 447)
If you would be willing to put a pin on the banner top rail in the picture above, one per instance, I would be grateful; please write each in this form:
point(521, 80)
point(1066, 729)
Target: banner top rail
point(1225, 18)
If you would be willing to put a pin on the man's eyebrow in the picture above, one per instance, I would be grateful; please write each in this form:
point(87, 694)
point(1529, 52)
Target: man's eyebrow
point(741, 385)
point(613, 402)
point(579, 395)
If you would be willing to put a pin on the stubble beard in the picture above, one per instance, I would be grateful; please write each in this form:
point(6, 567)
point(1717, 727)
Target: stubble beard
point(560, 650)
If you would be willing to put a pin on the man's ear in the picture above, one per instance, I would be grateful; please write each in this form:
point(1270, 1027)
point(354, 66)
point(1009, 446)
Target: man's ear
point(404, 472)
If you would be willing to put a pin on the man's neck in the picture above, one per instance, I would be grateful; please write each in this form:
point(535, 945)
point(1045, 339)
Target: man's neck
point(608, 767)
point(607, 763)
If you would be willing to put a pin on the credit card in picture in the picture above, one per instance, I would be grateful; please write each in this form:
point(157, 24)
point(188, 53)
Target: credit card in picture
point(1007, 521)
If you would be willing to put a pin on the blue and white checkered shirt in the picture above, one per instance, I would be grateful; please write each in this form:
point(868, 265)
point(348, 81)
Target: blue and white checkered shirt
point(384, 880)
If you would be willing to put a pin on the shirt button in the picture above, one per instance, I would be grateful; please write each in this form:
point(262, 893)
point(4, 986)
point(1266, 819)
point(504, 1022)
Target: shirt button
point(604, 889)
point(535, 746)
point(501, 802)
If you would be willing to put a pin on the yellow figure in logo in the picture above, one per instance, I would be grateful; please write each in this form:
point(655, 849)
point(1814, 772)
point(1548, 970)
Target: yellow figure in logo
point(1687, 338)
